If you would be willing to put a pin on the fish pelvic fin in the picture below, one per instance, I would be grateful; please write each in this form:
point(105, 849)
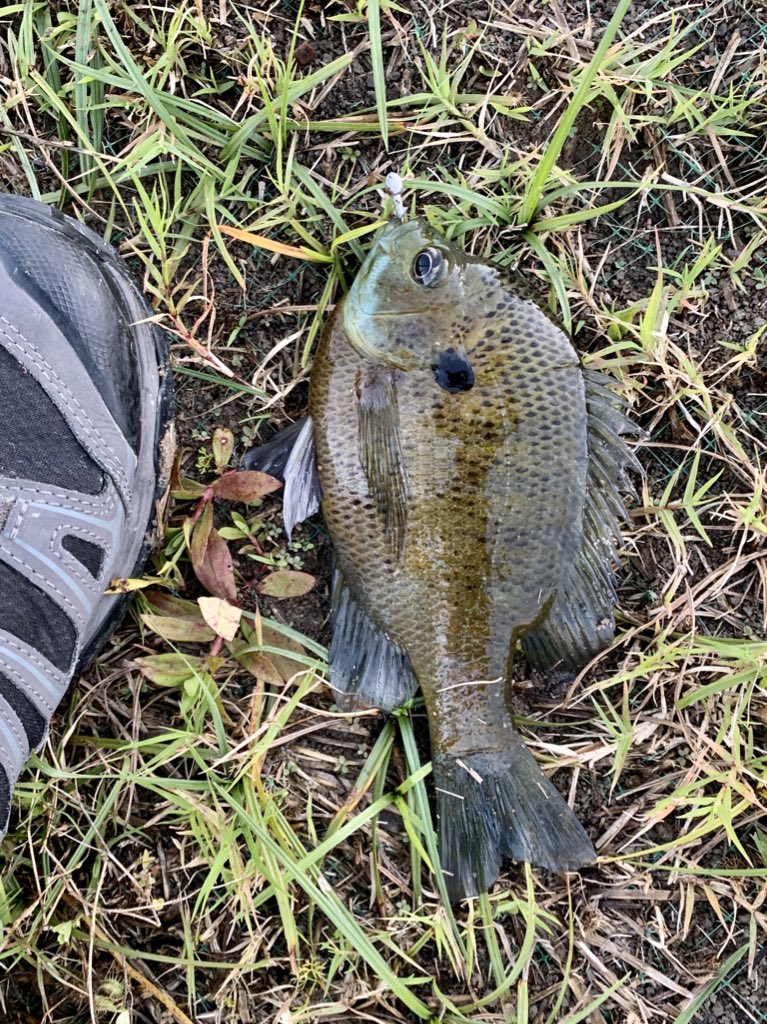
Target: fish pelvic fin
point(367, 668)
point(496, 805)
point(290, 456)
point(380, 449)
point(581, 621)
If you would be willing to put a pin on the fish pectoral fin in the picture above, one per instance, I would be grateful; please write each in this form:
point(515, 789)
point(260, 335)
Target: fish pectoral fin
point(380, 448)
point(290, 457)
point(367, 668)
point(500, 804)
point(272, 457)
point(581, 622)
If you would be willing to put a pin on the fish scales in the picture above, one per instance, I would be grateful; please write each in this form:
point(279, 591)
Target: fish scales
point(471, 474)
point(496, 485)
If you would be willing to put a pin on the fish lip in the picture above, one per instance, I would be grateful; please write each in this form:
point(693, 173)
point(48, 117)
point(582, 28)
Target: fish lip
point(384, 243)
point(354, 309)
point(391, 312)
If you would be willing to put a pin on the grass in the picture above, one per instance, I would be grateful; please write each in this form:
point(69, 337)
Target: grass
point(205, 837)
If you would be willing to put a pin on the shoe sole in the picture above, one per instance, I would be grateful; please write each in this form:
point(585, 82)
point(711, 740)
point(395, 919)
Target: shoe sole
point(157, 449)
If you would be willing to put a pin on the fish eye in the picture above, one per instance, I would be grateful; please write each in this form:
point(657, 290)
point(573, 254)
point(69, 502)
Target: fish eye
point(429, 267)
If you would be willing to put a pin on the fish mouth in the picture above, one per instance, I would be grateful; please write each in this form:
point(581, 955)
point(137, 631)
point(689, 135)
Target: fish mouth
point(391, 312)
point(356, 311)
point(396, 229)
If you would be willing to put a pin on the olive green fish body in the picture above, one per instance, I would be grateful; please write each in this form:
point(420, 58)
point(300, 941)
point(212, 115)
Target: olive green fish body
point(471, 473)
point(495, 480)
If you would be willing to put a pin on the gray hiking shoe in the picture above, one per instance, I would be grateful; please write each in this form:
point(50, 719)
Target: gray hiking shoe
point(85, 423)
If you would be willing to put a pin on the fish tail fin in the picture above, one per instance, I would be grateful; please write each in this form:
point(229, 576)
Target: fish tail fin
point(500, 804)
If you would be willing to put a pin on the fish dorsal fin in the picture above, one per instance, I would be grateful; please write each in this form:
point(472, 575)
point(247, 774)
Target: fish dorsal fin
point(290, 457)
point(581, 621)
point(367, 669)
point(380, 448)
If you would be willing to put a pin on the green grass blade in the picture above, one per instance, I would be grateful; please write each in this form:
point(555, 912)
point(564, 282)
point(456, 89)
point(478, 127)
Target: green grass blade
point(534, 191)
point(323, 896)
point(379, 72)
point(690, 1013)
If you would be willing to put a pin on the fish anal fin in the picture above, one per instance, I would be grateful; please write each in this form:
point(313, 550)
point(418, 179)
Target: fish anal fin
point(367, 669)
point(581, 622)
point(290, 456)
point(493, 805)
point(380, 448)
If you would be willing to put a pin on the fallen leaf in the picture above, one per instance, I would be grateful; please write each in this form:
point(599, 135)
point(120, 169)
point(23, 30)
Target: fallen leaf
point(286, 646)
point(170, 669)
point(305, 54)
point(122, 585)
point(286, 583)
point(211, 559)
point(259, 665)
point(223, 446)
point(222, 617)
point(244, 485)
point(275, 665)
point(180, 629)
point(170, 604)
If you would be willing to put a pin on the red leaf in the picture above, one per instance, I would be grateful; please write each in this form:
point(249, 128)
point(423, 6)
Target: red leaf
point(245, 485)
point(211, 559)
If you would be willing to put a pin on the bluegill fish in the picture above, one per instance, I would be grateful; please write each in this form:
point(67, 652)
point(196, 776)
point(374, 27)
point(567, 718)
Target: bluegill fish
point(471, 473)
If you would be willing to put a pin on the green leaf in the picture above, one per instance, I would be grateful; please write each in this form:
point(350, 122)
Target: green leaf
point(286, 583)
point(223, 446)
point(178, 629)
point(171, 669)
point(572, 109)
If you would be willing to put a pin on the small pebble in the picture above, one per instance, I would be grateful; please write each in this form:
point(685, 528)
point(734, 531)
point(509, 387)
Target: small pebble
point(305, 54)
